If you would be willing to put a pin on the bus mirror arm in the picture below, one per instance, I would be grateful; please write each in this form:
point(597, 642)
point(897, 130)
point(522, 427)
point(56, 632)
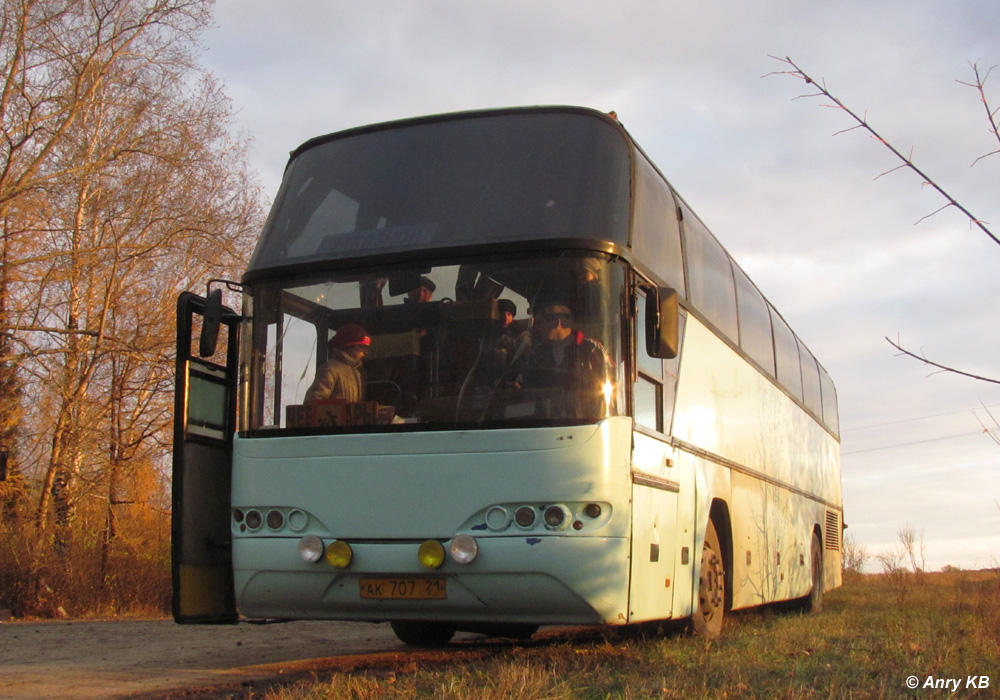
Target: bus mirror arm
point(662, 337)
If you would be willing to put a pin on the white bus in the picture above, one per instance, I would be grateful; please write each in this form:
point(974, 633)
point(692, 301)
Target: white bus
point(564, 402)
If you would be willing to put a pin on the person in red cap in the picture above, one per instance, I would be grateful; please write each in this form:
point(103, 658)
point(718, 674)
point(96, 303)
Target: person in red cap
point(340, 376)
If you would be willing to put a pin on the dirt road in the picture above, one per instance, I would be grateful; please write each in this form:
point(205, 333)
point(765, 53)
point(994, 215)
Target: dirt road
point(86, 660)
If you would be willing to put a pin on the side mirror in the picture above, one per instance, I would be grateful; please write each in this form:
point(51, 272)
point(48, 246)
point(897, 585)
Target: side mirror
point(662, 314)
point(211, 323)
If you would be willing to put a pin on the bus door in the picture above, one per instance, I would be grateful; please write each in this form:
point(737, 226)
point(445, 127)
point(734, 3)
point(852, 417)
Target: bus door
point(204, 423)
point(655, 483)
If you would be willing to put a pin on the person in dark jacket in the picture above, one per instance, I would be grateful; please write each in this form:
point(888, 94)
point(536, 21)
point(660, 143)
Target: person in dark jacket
point(561, 357)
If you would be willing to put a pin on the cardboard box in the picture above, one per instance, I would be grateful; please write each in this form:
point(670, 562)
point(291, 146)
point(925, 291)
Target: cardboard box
point(336, 413)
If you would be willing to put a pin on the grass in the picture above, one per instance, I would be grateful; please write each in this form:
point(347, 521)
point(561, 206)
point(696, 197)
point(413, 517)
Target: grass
point(873, 634)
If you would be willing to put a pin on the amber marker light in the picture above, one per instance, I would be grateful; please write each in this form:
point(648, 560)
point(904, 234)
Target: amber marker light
point(339, 554)
point(431, 554)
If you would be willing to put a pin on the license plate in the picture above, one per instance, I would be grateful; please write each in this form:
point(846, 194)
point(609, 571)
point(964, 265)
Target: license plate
point(404, 588)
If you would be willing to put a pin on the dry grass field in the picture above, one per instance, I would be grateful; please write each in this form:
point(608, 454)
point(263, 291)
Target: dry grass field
point(936, 636)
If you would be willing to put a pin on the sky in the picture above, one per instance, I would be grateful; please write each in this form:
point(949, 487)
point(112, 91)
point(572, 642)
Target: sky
point(828, 234)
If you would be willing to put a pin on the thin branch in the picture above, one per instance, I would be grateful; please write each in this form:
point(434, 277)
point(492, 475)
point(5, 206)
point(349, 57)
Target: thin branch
point(862, 122)
point(944, 368)
point(991, 114)
point(987, 429)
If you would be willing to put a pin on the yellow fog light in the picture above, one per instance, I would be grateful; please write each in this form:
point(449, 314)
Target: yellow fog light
point(339, 554)
point(431, 554)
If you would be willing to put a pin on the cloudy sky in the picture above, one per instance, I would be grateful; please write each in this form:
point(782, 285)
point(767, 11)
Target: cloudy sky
point(834, 246)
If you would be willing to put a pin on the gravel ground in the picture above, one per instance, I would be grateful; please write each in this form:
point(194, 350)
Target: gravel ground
point(108, 659)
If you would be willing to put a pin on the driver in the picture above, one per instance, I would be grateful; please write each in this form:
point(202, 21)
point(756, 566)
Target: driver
point(561, 357)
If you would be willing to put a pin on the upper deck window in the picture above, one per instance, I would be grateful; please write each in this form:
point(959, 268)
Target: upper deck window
point(517, 176)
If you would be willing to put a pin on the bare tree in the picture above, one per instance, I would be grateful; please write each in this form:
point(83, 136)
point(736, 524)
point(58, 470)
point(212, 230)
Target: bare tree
point(120, 184)
point(855, 556)
point(911, 544)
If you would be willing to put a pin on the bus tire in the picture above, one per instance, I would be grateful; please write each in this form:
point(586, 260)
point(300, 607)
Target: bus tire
point(711, 608)
point(416, 633)
point(815, 599)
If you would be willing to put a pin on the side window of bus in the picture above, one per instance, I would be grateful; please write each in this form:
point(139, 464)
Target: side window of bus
point(830, 414)
point(786, 355)
point(755, 323)
point(810, 382)
point(711, 288)
point(657, 238)
point(656, 379)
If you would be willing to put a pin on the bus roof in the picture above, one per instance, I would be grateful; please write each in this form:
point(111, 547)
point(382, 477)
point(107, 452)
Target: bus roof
point(539, 177)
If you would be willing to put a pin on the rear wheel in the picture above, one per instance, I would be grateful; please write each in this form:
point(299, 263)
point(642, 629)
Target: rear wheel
point(711, 609)
point(422, 634)
point(814, 603)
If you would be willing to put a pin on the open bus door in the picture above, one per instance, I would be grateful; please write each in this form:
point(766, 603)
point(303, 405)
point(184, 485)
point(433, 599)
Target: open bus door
point(204, 423)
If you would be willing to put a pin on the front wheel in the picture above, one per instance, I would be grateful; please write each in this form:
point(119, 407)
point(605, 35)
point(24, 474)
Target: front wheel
point(422, 634)
point(708, 616)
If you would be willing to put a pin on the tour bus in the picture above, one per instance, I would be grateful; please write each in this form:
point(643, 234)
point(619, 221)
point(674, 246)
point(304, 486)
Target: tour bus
point(492, 372)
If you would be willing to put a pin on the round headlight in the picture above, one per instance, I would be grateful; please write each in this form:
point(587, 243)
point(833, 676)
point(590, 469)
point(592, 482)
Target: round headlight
point(297, 520)
point(311, 549)
point(431, 554)
point(556, 516)
point(339, 554)
point(275, 519)
point(525, 516)
point(254, 519)
point(497, 518)
point(464, 549)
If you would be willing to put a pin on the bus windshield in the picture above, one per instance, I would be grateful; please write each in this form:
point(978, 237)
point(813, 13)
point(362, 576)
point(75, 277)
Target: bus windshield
point(495, 342)
point(474, 181)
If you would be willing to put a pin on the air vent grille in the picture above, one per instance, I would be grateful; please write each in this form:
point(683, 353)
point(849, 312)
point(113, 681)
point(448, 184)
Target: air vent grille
point(832, 538)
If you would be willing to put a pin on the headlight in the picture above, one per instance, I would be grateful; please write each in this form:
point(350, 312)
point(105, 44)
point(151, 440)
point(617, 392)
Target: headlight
point(497, 518)
point(464, 549)
point(311, 549)
point(556, 517)
point(431, 554)
point(254, 519)
point(275, 519)
point(525, 516)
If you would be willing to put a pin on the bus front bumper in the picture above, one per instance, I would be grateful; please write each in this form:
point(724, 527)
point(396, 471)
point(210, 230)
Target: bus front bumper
point(538, 580)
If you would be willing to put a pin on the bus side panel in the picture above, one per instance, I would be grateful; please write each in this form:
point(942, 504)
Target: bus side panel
point(784, 468)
